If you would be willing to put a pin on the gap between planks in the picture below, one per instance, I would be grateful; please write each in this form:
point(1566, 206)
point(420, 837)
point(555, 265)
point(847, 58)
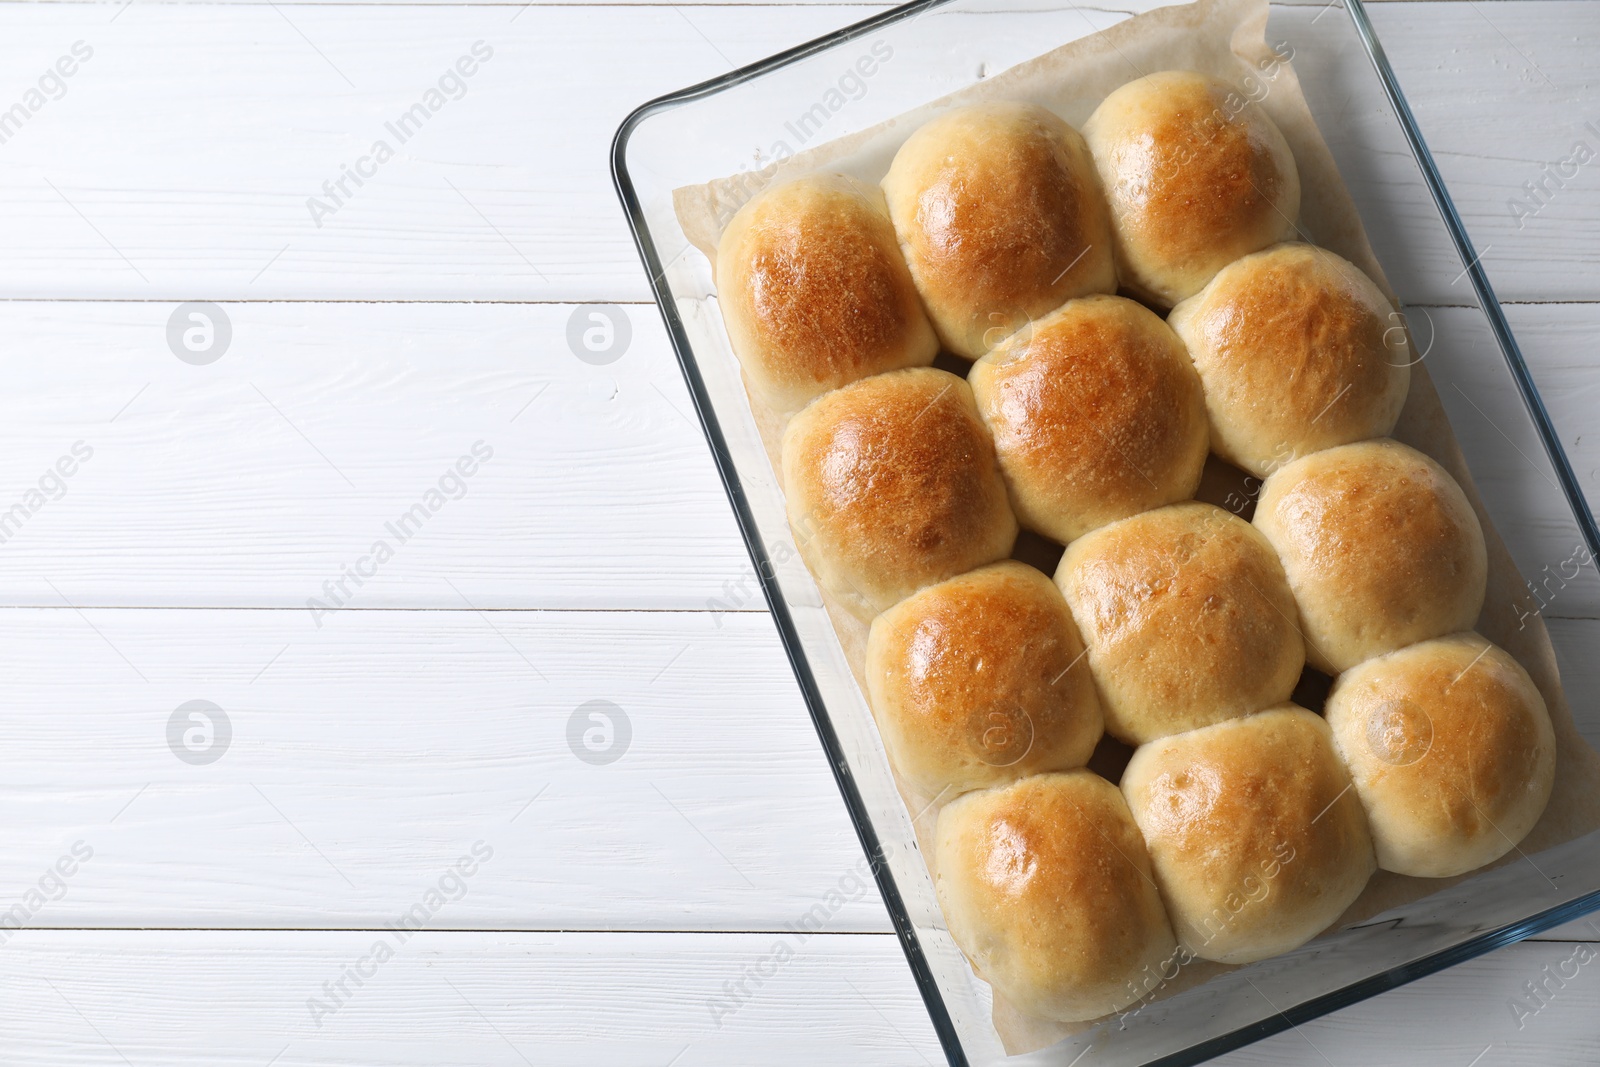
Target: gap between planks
point(447, 301)
point(513, 610)
point(674, 931)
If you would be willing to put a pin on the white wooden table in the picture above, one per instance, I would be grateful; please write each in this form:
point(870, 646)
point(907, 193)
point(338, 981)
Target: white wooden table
point(230, 912)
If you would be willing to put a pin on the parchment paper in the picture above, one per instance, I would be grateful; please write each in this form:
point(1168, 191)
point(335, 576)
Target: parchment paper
point(1226, 39)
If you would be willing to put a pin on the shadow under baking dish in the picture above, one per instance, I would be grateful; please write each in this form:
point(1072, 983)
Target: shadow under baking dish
point(940, 46)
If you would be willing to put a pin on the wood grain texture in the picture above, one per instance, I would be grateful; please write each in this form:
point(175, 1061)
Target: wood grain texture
point(371, 753)
point(254, 480)
point(258, 478)
point(92, 998)
point(367, 756)
point(203, 194)
point(491, 1000)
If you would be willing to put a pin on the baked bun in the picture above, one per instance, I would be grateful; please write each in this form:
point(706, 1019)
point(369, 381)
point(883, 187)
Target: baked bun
point(891, 485)
point(1195, 179)
point(1256, 840)
point(979, 680)
point(1046, 887)
point(1097, 414)
point(1451, 751)
point(1381, 548)
point(1187, 618)
point(814, 291)
point(1299, 351)
point(1001, 219)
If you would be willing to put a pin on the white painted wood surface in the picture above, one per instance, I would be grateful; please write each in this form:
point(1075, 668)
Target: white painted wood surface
point(372, 751)
point(252, 481)
point(139, 184)
point(93, 998)
point(366, 756)
point(255, 479)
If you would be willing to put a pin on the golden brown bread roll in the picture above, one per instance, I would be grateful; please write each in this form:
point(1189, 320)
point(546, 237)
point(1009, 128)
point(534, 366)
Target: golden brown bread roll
point(1381, 548)
point(1196, 177)
point(1187, 618)
point(1450, 747)
point(814, 291)
point(1097, 414)
point(1299, 351)
point(891, 485)
point(1046, 887)
point(1256, 840)
point(980, 679)
point(1000, 217)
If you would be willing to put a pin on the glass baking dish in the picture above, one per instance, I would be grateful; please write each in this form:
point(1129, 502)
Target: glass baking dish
point(936, 47)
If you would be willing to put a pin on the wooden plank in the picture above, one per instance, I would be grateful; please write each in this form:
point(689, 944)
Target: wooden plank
point(94, 998)
point(1473, 72)
point(366, 757)
point(215, 125)
point(254, 480)
point(1448, 1019)
point(505, 193)
point(90, 998)
point(1503, 451)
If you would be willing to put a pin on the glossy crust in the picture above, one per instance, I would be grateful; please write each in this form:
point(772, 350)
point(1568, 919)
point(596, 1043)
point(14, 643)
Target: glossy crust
point(1046, 887)
point(1381, 548)
point(1097, 414)
point(891, 485)
point(1450, 747)
point(1299, 351)
point(1196, 176)
point(1187, 618)
point(1001, 218)
point(1256, 841)
point(980, 680)
point(815, 293)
